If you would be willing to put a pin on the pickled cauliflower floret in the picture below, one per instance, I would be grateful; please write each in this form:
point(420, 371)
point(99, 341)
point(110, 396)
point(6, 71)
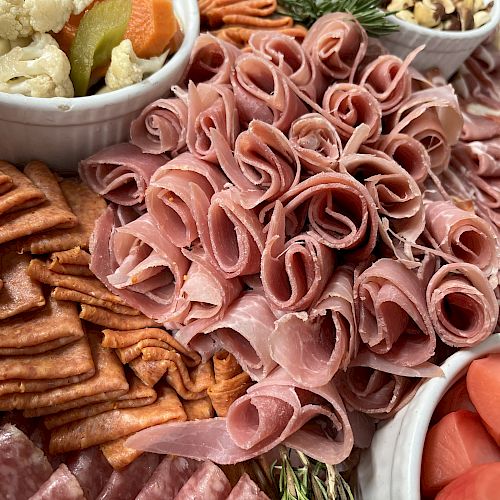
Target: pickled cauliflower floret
point(126, 68)
point(41, 69)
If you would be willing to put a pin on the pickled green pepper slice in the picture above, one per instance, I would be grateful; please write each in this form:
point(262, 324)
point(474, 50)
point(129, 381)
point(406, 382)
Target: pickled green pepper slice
point(100, 30)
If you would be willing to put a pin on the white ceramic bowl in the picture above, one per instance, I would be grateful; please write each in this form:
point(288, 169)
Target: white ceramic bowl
point(390, 468)
point(445, 50)
point(62, 131)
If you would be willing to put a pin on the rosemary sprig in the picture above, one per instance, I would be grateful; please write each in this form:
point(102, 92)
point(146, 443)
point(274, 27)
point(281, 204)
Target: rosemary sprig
point(367, 12)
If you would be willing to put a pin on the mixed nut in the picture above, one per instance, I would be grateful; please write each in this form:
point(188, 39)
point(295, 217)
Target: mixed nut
point(449, 15)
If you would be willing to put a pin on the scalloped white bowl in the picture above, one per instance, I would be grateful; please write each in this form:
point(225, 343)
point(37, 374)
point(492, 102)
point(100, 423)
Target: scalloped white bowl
point(390, 468)
point(62, 131)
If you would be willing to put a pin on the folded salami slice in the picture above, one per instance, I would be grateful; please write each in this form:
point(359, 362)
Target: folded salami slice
point(61, 484)
point(336, 44)
point(462, 305)
point(277, 410)
point(246, 489)
point(208, 482)
point(262, 92)
point(121, 173)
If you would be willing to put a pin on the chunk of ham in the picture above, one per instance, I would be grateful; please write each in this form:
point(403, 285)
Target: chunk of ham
point(273, 411)
point(462, 304)
point(121, 173)
point(207, 482)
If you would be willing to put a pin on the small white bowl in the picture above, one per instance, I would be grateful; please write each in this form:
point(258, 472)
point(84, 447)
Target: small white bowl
point(61, 131)
point(446, 50)
point(390, 468)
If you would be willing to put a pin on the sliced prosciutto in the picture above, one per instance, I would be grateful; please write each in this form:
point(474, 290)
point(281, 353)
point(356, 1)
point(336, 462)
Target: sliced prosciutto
point(295, 272)
point(313, 346)
point(340, 210)
point(262, 92)
point(462, 305)
point(210, 107)
point(211, 60)
point(161, 127)
point(121, 173)
point(60, 485)
point(336, 44)
point(289, 56)
point(273, 411)
point(179, 196)
point(392, 314)
point(207, 482)
point(316, 142)
point(350, 105)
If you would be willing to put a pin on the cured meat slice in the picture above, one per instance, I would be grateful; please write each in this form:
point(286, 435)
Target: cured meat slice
point(462, 305)
point(336, 43)
point(288, 55)
point(277, 411)
point(115, 424)
point(294, 273)
point(161, 127)
point(60, 485)
point(340, 210)
point(210, 107)
point(351, 105)
point(179, 196)
point(53, 326)
point(23, 466)
point(393, 319)
point(19, 292)
point(207, 482)
point(127, 483)
point(262, 92)
point(120, 173)
point(316, 142)
point(313, 346)
point(168, 478)
point(246, 489)
point(212, 60)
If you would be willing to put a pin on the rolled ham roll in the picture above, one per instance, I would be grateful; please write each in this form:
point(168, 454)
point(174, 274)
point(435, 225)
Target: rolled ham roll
point(179, 195)
point(161, 127)
point(462, 305)
point(210, 107)
point(313, 346)
point(351, 105)
point(211, 60)
point(393, 320)
point(273, 411)
point(289, 56)
point(316, 142)
point(463, 235)
point(336, 43)
point(294, 273)
point(262, 92)
point(121, 173)
point(340, 210)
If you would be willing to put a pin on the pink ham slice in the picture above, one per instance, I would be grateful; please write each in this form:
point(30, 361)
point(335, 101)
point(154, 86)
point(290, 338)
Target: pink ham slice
point(393, 319)
point(245, 331)
point(61, 485)
point(207, 482)
point(120, 173)
point(273, 411)
point(210, 107)
point(127, 483)
point(336, 44)
point(289, 56)
point(263, 92)
point(313, 346)
point(316, 142)
point(295, 272)
point(246, 489)
point(462, 305)
point(212, 60)
point(168, 478)
point(23, 466)
point(340, 211)
point(179, 196)
point(351, 105)
point(161, 127)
